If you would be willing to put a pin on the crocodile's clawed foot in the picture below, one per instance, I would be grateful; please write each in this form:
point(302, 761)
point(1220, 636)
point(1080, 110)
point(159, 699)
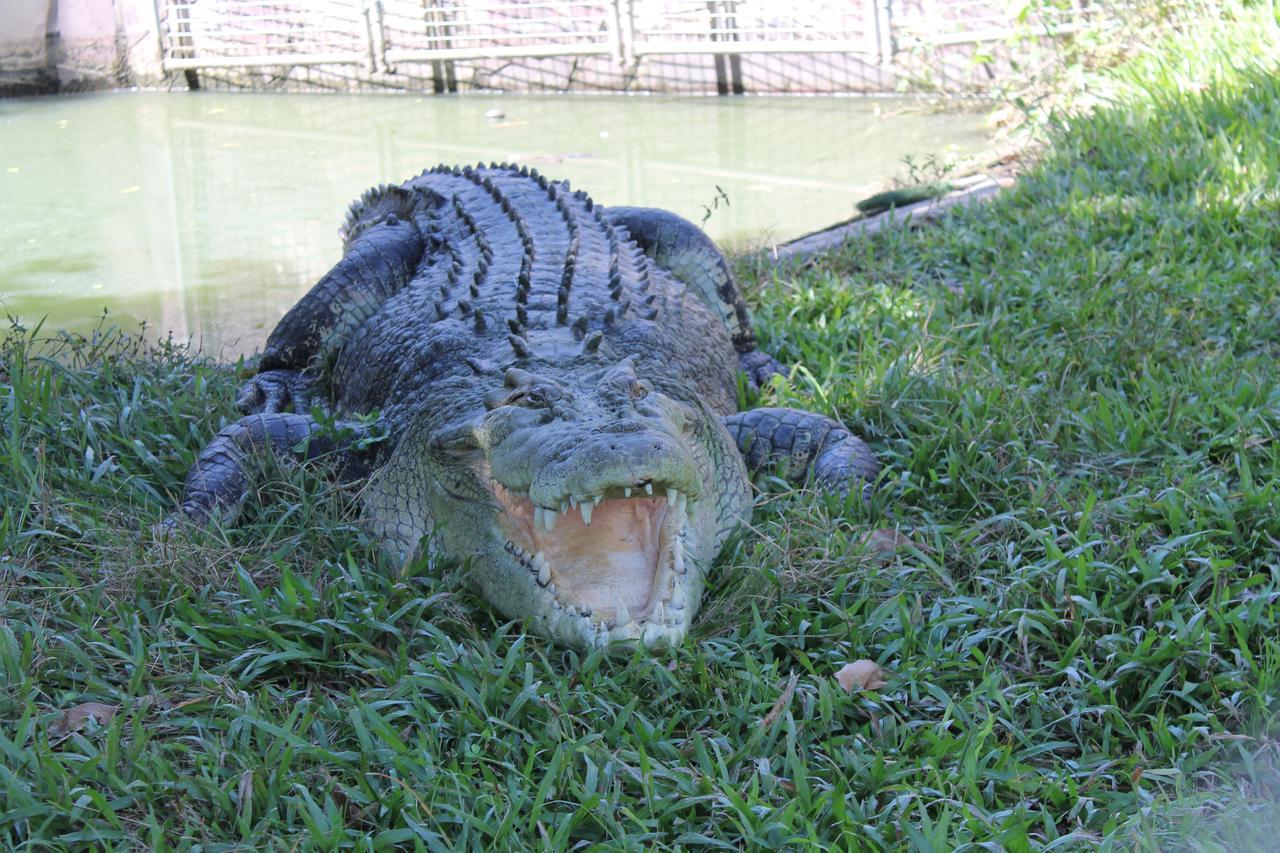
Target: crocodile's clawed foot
point(168, 533)
point(760, 367)
point(276, 391)
point(806, 448)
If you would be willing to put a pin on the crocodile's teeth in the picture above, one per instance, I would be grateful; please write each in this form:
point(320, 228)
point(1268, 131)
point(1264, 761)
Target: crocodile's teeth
point(537, 517)
point(677, 556)
point(673, 496)
point(552, 589)
point(586, 509)
point(659, 613)
point(564, 506)
point(544, 571)
point(549, 517)
point(648, 488)
point(653, 632)
point(682, 501)
point(573, 501)
point(621, 616)
point(626, 491)
point(678, 597)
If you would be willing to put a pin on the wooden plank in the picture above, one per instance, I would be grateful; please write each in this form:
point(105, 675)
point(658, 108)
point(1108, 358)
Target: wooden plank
point(977, 188)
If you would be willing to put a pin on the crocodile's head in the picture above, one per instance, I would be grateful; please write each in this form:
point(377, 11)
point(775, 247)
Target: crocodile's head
point(591, 512)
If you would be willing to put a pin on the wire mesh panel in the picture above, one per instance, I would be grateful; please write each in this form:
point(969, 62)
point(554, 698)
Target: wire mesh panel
point(747, 26)
point(212, 33)
point(942, 22)
point(966, 45)
point(679, 46)
point(438, 29)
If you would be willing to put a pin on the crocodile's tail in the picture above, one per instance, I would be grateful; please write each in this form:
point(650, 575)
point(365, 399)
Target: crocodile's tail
point(374, 208)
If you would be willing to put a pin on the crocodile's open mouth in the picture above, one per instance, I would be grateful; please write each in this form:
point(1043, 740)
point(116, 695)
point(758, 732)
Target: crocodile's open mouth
point(614, 560)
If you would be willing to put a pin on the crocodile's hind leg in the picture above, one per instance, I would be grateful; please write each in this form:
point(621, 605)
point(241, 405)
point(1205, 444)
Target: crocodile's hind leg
point(681, 247)
point(804, 447)
point(277, 391)
point(383, 245)
point(221, 478)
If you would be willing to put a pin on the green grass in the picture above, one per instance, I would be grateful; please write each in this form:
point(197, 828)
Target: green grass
point(1075, 394)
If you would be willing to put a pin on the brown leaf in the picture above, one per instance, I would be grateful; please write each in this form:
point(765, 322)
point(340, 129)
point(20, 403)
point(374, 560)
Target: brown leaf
point(861, 675)
point(882, 543)
point(73, 719)
point(781, 705)
point(244, 792)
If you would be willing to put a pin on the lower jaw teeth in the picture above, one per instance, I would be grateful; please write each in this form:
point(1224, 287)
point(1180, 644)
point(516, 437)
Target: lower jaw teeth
point(665, 620)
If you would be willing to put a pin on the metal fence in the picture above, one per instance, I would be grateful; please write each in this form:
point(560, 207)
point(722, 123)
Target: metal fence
point(672, 45)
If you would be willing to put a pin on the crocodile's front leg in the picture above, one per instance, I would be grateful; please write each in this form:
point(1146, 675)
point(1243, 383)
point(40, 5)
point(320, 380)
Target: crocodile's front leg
point(759, 367)
point(803, 446)
point(221, 478)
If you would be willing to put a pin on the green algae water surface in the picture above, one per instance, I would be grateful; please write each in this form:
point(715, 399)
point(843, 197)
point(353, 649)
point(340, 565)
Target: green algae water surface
point(208, 215)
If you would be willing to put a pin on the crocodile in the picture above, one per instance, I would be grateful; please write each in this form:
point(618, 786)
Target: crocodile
point(536, 385)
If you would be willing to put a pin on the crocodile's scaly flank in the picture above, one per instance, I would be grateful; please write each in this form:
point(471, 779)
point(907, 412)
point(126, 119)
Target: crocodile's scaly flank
point(538, 386)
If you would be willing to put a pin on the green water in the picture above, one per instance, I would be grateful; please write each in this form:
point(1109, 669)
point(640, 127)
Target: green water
point(208, 215)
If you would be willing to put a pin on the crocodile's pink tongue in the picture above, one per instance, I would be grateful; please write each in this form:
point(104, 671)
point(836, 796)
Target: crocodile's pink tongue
point(606, 567)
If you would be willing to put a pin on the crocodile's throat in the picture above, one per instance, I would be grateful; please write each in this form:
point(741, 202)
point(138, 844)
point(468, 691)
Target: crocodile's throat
point(615, 560)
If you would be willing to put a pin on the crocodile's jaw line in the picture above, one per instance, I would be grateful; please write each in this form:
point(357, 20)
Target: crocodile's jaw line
point(613, 567)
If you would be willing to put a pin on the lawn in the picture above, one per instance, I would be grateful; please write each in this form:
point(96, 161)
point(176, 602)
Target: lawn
point(1075, 394)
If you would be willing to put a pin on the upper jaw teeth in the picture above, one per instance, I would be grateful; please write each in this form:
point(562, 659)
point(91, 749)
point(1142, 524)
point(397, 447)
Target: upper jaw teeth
point(663, 621)
point(545, 517)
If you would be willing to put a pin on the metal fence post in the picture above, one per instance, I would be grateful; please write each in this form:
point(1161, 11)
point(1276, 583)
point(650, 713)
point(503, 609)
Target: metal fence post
point(614, 25)
point(884, 31)
point(154, 21)
point(627, 31)
point(380, 37)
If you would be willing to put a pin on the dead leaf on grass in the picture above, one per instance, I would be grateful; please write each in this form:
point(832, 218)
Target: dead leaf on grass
point(883, 542)
point(244, 792)
point(73, 719)
point(781, 705)
point(861, 675)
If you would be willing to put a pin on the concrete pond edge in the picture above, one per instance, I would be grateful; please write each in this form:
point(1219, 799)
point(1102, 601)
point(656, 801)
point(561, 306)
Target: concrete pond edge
point(967, 190)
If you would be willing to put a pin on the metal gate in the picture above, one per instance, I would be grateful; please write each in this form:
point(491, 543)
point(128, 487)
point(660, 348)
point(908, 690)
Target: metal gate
point(381, 33)
point(378, 37)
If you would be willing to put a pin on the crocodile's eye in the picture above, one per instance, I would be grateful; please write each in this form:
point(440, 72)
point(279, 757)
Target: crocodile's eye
point(640, 389)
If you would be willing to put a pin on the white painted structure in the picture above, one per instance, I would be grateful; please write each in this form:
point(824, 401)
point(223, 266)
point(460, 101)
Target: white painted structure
point(724, 46)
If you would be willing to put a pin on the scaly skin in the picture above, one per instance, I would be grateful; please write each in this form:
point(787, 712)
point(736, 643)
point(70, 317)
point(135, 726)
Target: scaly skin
point(554, 395)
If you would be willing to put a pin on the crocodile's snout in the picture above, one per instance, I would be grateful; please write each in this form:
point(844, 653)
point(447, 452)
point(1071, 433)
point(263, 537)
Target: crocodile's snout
point(596, 495)
point(623, 426)
point(602, 461)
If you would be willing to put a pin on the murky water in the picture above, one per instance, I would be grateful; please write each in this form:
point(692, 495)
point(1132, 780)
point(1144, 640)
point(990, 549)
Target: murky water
point(208, 215)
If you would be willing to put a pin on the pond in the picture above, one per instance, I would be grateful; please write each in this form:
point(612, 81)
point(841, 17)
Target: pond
point(207, 215)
